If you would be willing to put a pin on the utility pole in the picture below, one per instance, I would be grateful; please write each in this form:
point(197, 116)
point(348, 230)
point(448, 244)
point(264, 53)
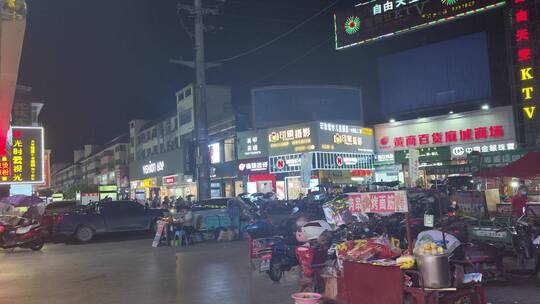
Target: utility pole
point(201, 128)
point(200, 108)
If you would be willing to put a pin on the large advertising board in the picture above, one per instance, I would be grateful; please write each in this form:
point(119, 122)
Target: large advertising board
point(319, 136)
point(282, 105)
point(374, 20)
point(23, 163)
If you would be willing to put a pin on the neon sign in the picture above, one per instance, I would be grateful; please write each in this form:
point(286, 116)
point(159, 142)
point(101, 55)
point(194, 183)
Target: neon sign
point(448, 137)
point(153, 167)
point(526, 76)
point(24, 162)
point(374, 20)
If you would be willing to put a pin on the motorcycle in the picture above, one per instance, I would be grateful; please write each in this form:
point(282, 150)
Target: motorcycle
point(21, 232)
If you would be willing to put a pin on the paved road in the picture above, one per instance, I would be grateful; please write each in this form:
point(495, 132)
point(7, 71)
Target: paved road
point(131, 271)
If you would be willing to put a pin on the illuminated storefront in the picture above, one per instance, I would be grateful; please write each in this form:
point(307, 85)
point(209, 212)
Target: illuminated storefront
point(160, 175)
point(306, 156)
point(441, 141)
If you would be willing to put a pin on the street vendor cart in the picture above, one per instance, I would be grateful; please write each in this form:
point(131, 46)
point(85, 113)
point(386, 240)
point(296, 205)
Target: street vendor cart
point(386, 281)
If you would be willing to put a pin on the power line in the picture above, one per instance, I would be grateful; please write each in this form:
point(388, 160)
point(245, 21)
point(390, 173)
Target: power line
point(253, 50)
point(292, 62)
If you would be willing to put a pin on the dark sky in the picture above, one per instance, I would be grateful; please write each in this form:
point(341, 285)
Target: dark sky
point(98, 64)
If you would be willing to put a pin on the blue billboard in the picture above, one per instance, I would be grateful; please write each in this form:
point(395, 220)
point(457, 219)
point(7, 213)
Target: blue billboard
point(436, 75)
point(277, 106)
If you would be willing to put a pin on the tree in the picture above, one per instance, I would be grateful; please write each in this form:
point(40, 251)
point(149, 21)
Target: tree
point(71, 192)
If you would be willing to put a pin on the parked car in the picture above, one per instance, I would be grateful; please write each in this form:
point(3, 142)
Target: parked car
point(106, 217)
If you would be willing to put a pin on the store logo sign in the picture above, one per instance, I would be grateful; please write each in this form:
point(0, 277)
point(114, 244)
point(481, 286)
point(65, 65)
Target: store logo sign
point(253, 166)
point(339, 161)
point(458, 151)
point(280, 164)
point(151, 168)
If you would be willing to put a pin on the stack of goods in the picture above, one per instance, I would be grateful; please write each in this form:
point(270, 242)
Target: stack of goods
point(377, 251)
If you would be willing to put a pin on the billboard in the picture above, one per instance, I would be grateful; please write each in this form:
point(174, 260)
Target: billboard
point(24, 162)
point(421, 78)
point(374, 20)
point(282, 105)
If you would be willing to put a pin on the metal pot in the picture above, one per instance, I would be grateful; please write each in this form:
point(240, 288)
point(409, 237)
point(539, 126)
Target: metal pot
point(435, 270)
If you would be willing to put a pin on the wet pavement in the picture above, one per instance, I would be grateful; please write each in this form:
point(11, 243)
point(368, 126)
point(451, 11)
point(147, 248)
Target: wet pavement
point(113, 270)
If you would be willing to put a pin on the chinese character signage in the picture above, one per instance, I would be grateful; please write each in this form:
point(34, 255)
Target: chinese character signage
point(320, 136)
point(345, 138)
point(252, 144)
point(494, 127)
point(461, 151)
point(374, 20)
point(425, 155)
point(253, 166)
point(378, 202)
point(24, 162)
point(523, 31)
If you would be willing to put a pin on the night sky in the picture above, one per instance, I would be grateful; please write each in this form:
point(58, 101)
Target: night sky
point(98, 64)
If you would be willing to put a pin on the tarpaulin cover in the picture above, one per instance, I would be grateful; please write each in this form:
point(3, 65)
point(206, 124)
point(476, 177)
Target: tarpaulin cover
point(526, 167)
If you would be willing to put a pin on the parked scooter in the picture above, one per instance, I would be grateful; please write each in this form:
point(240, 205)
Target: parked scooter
point(20, 232)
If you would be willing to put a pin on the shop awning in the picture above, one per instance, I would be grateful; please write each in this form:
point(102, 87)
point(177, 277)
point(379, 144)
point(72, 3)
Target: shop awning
point(526, 167)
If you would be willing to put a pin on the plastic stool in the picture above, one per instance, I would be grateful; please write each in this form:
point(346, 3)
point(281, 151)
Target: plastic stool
point(180, 238)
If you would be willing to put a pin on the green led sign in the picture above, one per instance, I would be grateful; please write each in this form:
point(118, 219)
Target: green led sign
point(352, 25)
point(385, 18)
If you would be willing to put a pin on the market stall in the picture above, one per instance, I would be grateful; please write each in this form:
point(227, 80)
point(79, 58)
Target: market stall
point(376, 270)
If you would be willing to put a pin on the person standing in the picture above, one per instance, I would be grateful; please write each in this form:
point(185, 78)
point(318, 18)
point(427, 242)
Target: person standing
point(165, 204)
point(519, 201)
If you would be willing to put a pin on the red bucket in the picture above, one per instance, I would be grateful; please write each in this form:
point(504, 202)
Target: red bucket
point(305, 257)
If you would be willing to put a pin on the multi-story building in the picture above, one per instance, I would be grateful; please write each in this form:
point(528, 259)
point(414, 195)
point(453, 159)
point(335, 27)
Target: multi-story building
point(161, 152)
point(100, 166)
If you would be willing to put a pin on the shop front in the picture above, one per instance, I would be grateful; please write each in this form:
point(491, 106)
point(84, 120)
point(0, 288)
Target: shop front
point(441, 144)
point(159, 175)
point(319, 155)
point(224, 179)
point(256, 176)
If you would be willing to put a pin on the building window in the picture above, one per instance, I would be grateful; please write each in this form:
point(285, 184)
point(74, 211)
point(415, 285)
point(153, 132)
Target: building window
point(229, 149)
point(180, 96)
point(188, 92)
point(185, 116)
point(175, 123)
point(175, 144)
point(154, 133)
point(161, 148)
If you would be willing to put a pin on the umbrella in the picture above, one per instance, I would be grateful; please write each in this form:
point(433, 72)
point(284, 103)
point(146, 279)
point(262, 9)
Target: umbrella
point(21, 200)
